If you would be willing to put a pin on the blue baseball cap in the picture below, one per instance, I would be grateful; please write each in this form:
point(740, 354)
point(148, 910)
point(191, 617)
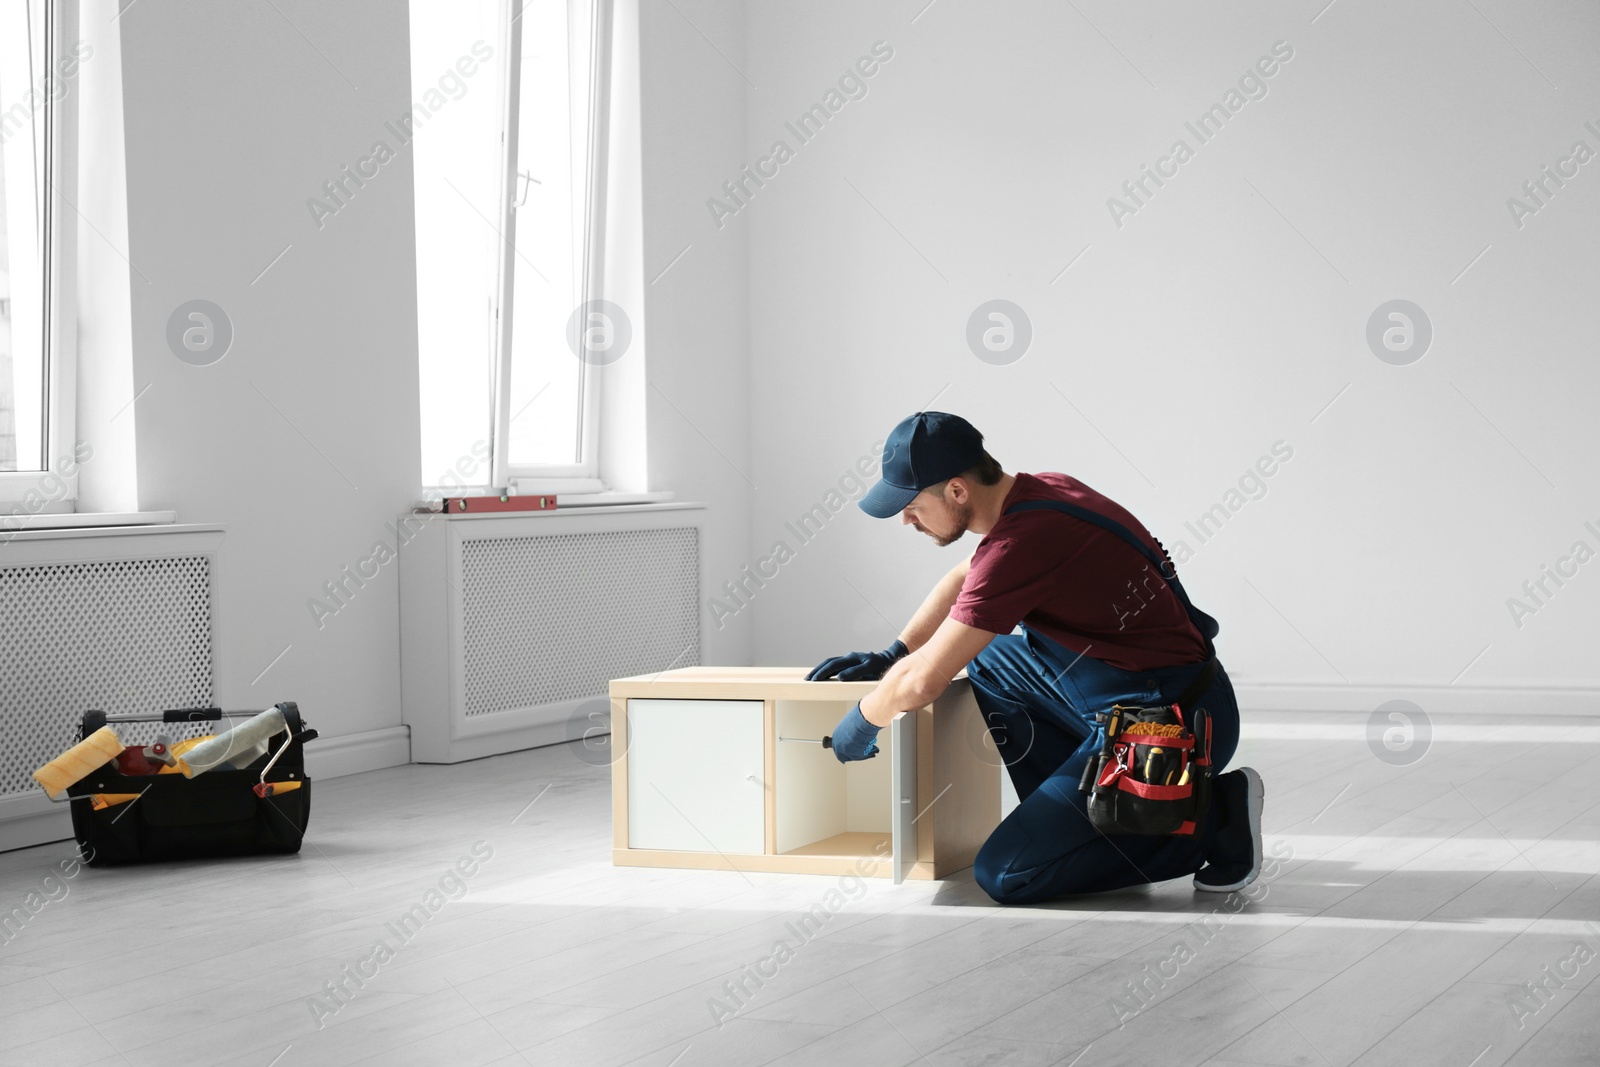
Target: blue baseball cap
point(922, 450)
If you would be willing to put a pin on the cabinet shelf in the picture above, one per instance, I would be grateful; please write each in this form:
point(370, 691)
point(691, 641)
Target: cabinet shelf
point(851, 843)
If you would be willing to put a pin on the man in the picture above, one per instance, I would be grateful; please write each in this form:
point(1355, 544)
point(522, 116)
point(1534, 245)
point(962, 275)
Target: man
point(1099, 626)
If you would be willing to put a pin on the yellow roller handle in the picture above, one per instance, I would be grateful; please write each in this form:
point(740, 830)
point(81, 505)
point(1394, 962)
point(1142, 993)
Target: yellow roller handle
point(82, 759)
point(102, 801)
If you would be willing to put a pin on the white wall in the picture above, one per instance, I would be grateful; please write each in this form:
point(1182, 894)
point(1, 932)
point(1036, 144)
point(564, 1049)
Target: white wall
point(304, 437)
point(107, 415)
point(1222, 317)
point(700, 423)
point(783, 344)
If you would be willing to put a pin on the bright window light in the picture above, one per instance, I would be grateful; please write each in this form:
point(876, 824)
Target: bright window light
point(24, 63)
point(547, 379)
point(462, 191)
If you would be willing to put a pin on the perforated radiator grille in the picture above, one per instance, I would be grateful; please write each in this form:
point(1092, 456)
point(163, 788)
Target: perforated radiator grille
point(555, 618)
point(126, 637)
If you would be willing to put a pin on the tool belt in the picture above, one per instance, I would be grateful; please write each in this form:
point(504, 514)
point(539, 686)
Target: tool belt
point(1152, 774)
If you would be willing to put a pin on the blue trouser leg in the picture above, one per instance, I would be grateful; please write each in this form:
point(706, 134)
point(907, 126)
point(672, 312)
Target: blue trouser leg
point(1039, 701)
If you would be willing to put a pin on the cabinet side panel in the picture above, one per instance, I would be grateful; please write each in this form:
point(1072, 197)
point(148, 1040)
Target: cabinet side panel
point(619, 773)
point(969, 810)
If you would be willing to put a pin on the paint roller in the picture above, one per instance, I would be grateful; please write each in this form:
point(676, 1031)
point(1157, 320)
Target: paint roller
point(77, 762)
point(237, 747)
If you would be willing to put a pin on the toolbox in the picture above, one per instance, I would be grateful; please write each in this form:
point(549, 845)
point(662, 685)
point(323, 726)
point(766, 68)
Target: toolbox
point(259, 808)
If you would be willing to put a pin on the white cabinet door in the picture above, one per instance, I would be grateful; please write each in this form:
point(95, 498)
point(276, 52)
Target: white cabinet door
point(903, 735)
point(695, 776)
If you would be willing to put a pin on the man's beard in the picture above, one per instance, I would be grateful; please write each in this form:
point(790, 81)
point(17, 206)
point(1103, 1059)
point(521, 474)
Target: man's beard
point(963, 517)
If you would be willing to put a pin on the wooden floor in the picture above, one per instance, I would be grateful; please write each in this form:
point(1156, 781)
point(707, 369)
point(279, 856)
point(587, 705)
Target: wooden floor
point(1417, 904)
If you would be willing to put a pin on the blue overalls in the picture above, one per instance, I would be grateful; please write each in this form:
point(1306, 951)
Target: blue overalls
point(1039, 700)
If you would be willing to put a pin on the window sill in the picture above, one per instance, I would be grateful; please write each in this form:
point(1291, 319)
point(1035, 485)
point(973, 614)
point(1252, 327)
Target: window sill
point(89, 519)
point(564, 499)
point(589, 500)
point(623, 503)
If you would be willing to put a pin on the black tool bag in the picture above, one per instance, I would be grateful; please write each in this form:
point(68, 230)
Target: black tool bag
point(217, 813)
point(1153, 772)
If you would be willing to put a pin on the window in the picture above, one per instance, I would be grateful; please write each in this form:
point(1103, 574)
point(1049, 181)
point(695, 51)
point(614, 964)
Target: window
point(547, 160)
point(39, 61)
point(24, 173)
point(508, 231)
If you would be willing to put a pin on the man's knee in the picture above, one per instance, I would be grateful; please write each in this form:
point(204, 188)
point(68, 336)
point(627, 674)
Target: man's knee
point(989, 870)
point(1079, 868)
point(995, 868)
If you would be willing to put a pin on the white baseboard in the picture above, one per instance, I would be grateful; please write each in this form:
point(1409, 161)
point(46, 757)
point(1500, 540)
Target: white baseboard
point(372, 750)
point(501, 742)
point(31, 819)
point(1434, 699)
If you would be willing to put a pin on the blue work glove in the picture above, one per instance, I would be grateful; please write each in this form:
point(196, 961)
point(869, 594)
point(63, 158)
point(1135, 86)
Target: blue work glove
point(858, 666)
point(855, 738)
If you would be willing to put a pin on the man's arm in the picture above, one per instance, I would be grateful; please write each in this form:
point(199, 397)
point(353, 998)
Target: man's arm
point(919, 678)
point(936, 608)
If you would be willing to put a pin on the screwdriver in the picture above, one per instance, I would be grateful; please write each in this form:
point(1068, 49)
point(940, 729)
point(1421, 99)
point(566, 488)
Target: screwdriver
point(826, 742)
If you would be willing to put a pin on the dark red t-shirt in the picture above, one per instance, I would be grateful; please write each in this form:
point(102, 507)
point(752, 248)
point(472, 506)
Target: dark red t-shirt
point(1082, 586)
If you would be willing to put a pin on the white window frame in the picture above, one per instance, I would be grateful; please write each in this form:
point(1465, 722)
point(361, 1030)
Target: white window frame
point(55, 489)
point(584, 476)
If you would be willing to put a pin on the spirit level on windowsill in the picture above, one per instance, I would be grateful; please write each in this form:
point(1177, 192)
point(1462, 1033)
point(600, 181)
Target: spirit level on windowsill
point(481, 505)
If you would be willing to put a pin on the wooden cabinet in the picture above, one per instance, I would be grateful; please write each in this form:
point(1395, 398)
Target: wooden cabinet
point(715, 768)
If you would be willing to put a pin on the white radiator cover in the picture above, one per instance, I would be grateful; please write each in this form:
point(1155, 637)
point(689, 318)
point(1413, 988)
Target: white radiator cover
point(513, 625)
point(118, 622)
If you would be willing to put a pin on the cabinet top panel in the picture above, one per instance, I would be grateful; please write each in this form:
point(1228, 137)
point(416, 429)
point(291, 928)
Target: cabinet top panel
point(738, 683)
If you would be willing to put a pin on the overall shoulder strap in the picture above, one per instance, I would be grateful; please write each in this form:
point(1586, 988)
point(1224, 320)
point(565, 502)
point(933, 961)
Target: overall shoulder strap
point(1204, 623)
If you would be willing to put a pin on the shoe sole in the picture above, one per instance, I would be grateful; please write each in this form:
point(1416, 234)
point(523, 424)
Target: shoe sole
point(1255, 794)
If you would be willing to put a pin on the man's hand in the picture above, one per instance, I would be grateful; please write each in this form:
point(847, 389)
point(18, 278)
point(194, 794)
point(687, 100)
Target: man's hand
point(855, 738)
point(858, 666)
